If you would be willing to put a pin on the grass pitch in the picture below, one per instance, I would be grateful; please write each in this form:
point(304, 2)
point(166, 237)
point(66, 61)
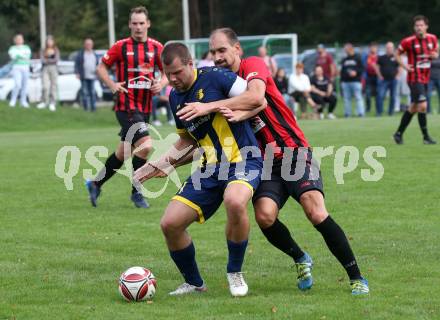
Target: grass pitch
point(60, 258)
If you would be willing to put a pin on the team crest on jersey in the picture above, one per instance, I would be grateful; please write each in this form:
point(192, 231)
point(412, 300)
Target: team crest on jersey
point(200, 94)
point(252, 74)
point(430, 45)
point(140, 82)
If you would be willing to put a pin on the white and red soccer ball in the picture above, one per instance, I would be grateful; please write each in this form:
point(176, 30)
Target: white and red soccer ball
point(137, 284)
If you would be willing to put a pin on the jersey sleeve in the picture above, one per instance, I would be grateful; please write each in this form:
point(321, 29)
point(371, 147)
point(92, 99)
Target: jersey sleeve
point(255, 68)
point(403, 46)
point(113, 55)
point(179, 125)
point(159, 54)
point(225, 81)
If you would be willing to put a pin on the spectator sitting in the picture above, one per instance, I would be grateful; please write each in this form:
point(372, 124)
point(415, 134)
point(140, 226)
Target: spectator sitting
point(206, 61)
point(299, 89)
point(85, 68)
point(322, 93)
point(282, 84)
point(351, 73)
point(268, 60)
point(50, 55)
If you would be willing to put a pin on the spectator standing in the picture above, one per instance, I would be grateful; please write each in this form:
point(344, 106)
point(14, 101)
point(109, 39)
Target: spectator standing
point(387, 70)
point(85, 68)
point(370, 75)
point(434, 83)
point(161, 100)
point(49, 55)
point(20, 55)
point(326, 62)
point(268, 60)
point(299, 89)
point(351, 73)
point(322, 93)
point(402, 89)
point(282, 83)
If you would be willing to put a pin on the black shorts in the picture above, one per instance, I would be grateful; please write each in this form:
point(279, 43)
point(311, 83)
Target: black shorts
point(127, 119)
point(282, 184)
point(419, 92)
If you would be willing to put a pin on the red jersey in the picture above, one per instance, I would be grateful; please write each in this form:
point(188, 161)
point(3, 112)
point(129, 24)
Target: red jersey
point(418, 51)
point(276, 125)
point(371, 62)
point(136, 65)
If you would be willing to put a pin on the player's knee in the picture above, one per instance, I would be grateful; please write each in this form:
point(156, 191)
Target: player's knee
point(169, 226)
point(313, 205)
point(235, 205)
point(143, 154)
point(264, 217)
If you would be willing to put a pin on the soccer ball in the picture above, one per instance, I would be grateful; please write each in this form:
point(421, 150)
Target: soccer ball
point(137, 284)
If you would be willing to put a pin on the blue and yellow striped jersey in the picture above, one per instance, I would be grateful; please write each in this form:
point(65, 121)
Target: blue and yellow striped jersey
point(220, 139)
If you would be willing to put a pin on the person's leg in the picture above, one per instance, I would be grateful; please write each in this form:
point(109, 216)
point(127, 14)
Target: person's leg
point(16, 74)
point(24, 87)
point(346, 91)
point(437, 86)
point(178, 216)
point(430, 88)
point(45, 77)
point(392, 86)
point(368, 92)
point(143, 148)
point(53, 85)
point(357, 88)
point(332, 101)
point(84, 94)
point(92, 94)
point(335, 238)
point(381, 93)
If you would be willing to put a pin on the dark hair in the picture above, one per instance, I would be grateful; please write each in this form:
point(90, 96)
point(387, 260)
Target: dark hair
point(140, 9)
point(175, 50)
point(228, 32)
point(420, 17)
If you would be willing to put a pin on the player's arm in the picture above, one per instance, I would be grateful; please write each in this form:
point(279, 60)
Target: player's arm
point(241, 115)
point(103, 73)
point(249, 99)
point(180, 153)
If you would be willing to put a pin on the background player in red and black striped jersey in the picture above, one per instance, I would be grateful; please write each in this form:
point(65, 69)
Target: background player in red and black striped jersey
point(420, 48)
point(277, 130)
point(139, 77)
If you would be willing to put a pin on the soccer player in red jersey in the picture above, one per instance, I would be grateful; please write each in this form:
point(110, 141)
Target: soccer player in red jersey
point(420, 48)
point(138, 68)
point(280, 137)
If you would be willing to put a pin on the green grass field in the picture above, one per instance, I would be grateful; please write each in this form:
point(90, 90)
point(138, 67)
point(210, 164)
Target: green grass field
point(60, 258)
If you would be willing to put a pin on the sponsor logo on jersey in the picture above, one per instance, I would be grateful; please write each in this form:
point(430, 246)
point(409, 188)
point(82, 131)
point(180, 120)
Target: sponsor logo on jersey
point(140, 82)
point(200, 94)
point(252, 74)
point(130, 53)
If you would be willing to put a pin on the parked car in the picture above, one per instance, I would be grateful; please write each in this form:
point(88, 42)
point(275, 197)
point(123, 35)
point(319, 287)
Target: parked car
point(68, 84)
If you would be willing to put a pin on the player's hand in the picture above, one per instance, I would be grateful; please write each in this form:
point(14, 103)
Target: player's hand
point(146, 172)
point(118, 87)
point(433, 54)
point(193, 110)
point(228, 114)
point(409, 68)
point(156, 87)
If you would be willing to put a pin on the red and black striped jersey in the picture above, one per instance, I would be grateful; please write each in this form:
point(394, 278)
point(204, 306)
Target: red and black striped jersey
point(418, 51)
point(275, 126)
point(136, 65)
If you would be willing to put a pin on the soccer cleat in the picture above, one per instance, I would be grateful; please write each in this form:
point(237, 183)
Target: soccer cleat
point(139, 201)
point(52, 107)
point(237, 285)
point(186, 288)
point(41, 105)
point(398, 138)
point(304, 270)
point(331, 116)
point(359, 287)
point(429, 140)
point(94, 191)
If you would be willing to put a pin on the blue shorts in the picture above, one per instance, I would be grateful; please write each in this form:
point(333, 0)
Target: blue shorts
point(203, 190)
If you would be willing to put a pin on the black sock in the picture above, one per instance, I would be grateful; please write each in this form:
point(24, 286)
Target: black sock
point(279, 236)
point(111, 165)
point(406, 119)
point(338, 244)
point(423, 124)
point(137, 163)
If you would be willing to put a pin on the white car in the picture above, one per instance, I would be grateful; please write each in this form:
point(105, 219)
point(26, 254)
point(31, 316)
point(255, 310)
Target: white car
point(68, 84)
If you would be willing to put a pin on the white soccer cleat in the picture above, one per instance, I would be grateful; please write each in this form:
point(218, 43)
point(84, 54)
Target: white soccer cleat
point(186, 288)
point(237, 285)
point(41, 105)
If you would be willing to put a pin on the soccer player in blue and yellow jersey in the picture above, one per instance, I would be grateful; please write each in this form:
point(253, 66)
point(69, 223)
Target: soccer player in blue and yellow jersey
point(230, 170)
